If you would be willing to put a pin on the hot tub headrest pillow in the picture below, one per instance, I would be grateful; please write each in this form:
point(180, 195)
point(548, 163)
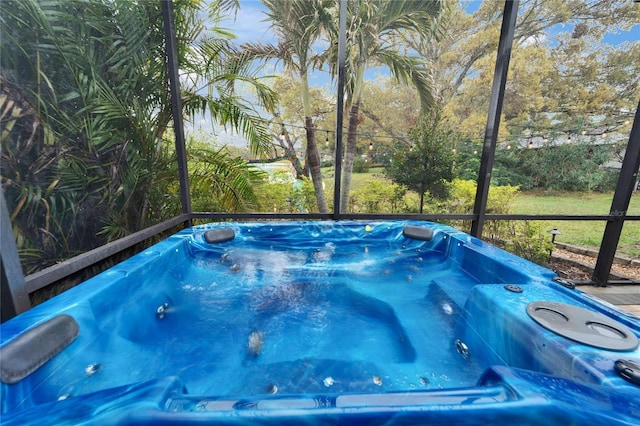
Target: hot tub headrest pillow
point(25, 354)
point(417, 233)
point(219, 235)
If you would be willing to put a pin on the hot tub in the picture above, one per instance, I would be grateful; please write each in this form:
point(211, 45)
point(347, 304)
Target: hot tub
point(348, 322)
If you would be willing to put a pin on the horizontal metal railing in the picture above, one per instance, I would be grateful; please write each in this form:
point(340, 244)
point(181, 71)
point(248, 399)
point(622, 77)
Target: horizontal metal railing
point(64, 269)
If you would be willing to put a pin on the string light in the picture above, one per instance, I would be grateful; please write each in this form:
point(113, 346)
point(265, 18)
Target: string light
point(405, 139)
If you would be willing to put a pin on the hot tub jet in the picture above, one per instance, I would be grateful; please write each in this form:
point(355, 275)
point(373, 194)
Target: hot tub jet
point(161, 311)
point(462, 349)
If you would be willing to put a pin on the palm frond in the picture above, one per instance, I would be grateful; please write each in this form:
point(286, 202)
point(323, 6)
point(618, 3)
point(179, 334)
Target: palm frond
point(409, 69)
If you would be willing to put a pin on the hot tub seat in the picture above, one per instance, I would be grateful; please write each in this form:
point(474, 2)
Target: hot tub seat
point(497, 321)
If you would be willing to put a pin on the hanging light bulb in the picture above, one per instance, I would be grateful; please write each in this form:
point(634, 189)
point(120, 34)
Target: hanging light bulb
point(370, 146)
point(326, 141)
point(530, 144)
point(569, 139)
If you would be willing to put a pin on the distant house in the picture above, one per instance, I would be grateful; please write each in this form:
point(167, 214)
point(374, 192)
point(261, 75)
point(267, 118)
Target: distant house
point(278, 171)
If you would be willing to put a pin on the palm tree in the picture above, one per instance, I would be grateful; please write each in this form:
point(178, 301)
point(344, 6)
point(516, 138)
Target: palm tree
point(298, 25)
point(372, 27)
point(86, 87)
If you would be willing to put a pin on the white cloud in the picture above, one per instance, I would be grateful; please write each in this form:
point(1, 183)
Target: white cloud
point(249, 23)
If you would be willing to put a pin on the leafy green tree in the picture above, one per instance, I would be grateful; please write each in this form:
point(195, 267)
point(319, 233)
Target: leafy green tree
point(427, 165)
point(292, 111)
point(219, 181)
point(372, 29)
point(567, 167)
point(85, 82)
point(379, 132)
point(298, 24)
point(568, 71)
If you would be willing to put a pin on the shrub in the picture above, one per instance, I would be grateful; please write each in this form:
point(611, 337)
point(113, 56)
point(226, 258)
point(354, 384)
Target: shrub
point(360, 165)
point(377, 196)
point(281, 195)
point(523, 238)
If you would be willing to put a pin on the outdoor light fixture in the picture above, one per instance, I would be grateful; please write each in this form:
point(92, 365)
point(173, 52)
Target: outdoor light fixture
point(569, 139)
point(553, 233)
point(530, 144)
point(370, 146)
point(326, 141)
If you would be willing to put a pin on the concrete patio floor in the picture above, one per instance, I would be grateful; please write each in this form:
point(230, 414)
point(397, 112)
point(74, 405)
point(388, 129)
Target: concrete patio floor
point(625, 297)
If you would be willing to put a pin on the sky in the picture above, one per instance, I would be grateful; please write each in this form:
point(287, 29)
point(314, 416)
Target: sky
point(250, 25)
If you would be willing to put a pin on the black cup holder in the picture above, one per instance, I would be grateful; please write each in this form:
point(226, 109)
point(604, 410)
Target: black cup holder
point(583, 326)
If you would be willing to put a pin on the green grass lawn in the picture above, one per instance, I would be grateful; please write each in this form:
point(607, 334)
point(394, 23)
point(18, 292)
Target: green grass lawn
point(357, 179)
point(582, 233)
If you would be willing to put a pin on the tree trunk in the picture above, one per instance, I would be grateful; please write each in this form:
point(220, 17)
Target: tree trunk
point(422, 190)
point(349, 156)
point(297, 165)
point(289, 150)
point(291, 155)
point(313, 160)
point(313, 156)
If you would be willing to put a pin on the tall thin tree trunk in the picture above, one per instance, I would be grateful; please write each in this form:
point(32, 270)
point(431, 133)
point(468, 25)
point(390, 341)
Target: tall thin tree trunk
point(313, 156)
point(291, 155)
point(313, 160)
point(349, 156)
point(295, 162)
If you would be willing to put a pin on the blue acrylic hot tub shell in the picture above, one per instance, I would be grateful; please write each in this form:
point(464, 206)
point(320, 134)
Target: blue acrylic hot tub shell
point(534, 376)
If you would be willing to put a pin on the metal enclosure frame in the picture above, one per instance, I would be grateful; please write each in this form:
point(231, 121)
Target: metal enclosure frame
point(493, 120)
point(16, 288)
